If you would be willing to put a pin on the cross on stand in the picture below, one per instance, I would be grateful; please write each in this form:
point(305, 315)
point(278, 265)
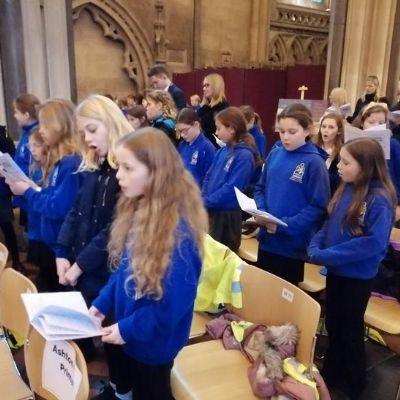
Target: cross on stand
point(302, 89)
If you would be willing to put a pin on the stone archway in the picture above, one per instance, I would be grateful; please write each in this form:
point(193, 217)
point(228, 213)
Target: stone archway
point(118, 24)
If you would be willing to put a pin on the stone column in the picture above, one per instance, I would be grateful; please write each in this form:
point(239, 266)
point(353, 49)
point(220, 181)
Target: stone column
point(259, 28)
point(394, 62)
point(369, 29)
point(337, 26)
point(12, 59)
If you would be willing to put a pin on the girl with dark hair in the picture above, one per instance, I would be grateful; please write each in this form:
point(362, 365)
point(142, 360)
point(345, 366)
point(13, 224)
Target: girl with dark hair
point(233, 166)
point(196, 150)
point(361, 216)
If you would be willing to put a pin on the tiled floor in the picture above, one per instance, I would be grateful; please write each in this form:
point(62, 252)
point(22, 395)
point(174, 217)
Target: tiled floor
point(383, 368)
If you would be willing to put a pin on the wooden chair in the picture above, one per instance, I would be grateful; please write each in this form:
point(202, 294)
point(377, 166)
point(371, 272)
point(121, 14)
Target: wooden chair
point(313, 281)
point(34, 349)
point(13, 316)
point(395, 234)
point(383, 315)
point(3, 256)
point(207, 371)
point(248, 250)
point(198, 327)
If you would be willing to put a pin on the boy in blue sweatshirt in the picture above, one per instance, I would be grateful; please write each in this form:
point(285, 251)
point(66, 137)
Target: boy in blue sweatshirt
point(294, 187)
point(351, 245)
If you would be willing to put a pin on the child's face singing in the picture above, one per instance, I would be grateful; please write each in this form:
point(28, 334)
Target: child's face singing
point(349, 169)
point(329, 130)
point(133, 175)
point(376, 118)
point(95, 133)
point(36, 149)
point(224, 133)
point(153, 110)
point(292, 134)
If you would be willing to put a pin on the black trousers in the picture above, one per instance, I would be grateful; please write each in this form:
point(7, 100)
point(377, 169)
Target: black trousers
point(11, 241)
point(48, 278)
point(346, 301)
point(290, 269)
point(226, 227)
point(148, 382)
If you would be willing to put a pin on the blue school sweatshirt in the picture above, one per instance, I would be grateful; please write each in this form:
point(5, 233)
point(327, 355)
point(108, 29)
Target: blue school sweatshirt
point(232, 166)
point(197, 156)
point(261, 141)
point(23, 158)
point(355, 256)
point(34, 218)
point(22, 154)
point(394, 165)
point(54, 201)
point(294, 187)
point(156, 330)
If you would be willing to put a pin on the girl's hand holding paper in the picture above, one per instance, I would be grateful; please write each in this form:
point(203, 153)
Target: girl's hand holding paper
point(111, 335)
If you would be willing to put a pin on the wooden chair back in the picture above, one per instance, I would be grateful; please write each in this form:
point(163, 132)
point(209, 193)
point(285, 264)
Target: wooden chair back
point(3, 256)
point(12, 310)
point(34, 349)
point(270, 300)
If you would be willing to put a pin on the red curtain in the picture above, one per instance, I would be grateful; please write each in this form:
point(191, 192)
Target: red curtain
point(260, 88)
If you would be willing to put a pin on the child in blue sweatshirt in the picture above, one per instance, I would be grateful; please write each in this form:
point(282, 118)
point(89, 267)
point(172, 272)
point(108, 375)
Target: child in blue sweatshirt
point(39, 153)
point(55, 198)
point(294, 187)
point(25, 113)
point(153, 289)
point(351, 245)
point(233, 165)
point(196, 150)
point(375, 114)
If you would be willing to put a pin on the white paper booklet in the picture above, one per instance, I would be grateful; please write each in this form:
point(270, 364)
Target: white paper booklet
point(344, 109)
point(380, 133)
point(10, 170)
point(249, 205)
point(60, 316)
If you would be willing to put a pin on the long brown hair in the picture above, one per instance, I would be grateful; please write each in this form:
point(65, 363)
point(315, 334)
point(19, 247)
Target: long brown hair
point(369, 155)
point(338, 143)
point(232, 117)
point(58, 115)
point(366, 112)
point(147, 225)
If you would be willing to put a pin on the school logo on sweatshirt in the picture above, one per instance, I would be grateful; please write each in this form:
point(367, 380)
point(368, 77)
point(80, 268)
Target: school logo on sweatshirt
point(298, 173)
point(362, 213)
point(228, 164)
point(195, 157)
point(54, 177)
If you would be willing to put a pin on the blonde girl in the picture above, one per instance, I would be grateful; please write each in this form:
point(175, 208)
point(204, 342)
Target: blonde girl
point(55, 198)
point(214, 101)
point(351, 245)
point(153, 289)
point(161, 113)
point(330, 138)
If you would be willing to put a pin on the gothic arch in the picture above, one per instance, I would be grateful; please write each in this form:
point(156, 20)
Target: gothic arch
point(118, 24)
point(277, 54)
